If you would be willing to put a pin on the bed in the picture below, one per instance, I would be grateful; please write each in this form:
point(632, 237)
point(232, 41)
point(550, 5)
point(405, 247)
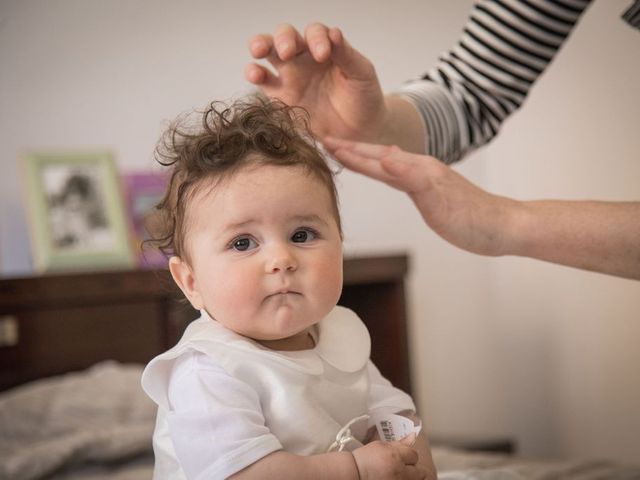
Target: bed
point(72, 348)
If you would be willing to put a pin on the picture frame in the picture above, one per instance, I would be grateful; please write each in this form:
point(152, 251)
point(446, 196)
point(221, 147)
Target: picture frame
point(75, 210)
point(143, 192)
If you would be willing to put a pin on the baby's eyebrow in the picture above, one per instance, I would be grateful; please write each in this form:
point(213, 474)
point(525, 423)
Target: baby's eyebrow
point(313, 218)
point(239, 225)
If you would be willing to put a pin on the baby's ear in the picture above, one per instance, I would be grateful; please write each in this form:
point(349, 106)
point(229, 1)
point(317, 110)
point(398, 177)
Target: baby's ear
point(186, 280)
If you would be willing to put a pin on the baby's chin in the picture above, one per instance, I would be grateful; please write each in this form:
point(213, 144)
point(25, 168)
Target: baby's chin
point(299, 341)
point(277, 321)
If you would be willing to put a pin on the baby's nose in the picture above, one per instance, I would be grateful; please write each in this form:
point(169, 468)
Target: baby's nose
point(282, 260)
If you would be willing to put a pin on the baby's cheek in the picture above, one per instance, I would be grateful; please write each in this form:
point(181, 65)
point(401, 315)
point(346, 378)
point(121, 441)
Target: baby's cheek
point(234, 294)
point(329, 278)
point(223, 294)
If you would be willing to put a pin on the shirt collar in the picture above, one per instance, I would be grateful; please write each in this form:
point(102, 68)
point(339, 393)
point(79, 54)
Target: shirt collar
point(342, 341)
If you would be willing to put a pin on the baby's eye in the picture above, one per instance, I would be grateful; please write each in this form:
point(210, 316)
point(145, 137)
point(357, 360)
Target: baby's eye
point(243, 244)
point(303, 235)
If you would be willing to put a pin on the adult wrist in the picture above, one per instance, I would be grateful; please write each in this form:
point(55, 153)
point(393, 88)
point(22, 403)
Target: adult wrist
point(402, 125)
point(517, 227)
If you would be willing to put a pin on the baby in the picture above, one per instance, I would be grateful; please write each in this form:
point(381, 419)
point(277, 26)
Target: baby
point(260, 385)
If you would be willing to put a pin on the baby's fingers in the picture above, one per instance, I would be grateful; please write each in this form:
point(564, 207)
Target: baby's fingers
point(408, 455)
point(417, 472)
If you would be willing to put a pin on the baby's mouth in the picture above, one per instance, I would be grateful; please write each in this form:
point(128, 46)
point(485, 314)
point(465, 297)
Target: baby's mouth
point(283, 293)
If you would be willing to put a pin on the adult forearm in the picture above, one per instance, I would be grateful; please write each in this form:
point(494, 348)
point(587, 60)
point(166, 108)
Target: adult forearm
point(598, 236)
point(403, 125)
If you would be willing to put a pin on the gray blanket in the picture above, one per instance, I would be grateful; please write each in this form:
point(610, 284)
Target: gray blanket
point(81, 421)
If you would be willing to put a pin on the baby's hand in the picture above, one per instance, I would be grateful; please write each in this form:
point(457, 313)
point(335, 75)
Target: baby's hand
point(388, 461)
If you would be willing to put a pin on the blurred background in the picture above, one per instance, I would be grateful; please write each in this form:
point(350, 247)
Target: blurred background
point(510, 347)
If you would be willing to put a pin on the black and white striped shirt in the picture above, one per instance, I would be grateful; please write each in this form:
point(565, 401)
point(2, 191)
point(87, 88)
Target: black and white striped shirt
point(505, 46)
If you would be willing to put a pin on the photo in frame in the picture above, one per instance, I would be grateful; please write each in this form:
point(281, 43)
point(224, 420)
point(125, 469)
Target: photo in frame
point(143, 191)
point(76, 215)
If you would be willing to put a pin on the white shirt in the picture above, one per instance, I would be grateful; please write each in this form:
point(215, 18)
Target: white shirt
point(225, 401)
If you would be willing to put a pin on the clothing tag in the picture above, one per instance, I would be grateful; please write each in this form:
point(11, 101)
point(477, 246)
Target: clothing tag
point(392, 427)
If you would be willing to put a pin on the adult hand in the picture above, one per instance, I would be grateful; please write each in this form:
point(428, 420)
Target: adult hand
point(321, 72)
point(453, 207)
point(590, 235)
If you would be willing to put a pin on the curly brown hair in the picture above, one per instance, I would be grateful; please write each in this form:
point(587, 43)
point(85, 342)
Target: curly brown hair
point(253, 131)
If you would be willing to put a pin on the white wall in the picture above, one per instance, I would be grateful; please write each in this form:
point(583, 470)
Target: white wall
point(499, 346)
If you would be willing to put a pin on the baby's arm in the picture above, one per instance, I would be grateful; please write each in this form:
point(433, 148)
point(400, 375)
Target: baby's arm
point(284, 465)
point(375, 461)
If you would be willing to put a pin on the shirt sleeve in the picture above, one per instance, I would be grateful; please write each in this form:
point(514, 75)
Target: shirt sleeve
point(215, 421)
point(632, 14)
point(383, 395)
point(505, 46)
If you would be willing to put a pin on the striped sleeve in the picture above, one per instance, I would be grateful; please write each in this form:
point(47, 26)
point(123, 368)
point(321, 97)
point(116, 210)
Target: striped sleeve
point(632, 14)
point(473, 88)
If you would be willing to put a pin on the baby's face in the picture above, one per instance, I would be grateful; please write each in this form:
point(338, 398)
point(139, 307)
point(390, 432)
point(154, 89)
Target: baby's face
point(266, 253)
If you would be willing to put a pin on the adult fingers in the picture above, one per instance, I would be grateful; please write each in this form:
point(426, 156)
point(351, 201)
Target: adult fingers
point(372, 150)
point(318, 41)
point(362, 164)
point(387, 164)
point(288, 42)
point(407, 173)
point(350, 61)
point(284, 45)
point(260, 45)
point(260, 75)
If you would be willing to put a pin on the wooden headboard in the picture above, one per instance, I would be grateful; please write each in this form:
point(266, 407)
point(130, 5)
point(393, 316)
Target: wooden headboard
point(55, 324)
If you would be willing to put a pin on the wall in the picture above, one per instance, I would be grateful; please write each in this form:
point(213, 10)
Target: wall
point(499, 346)
point(568, 336)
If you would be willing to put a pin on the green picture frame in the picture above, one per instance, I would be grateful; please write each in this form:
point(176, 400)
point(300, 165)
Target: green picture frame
point(75, 209)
